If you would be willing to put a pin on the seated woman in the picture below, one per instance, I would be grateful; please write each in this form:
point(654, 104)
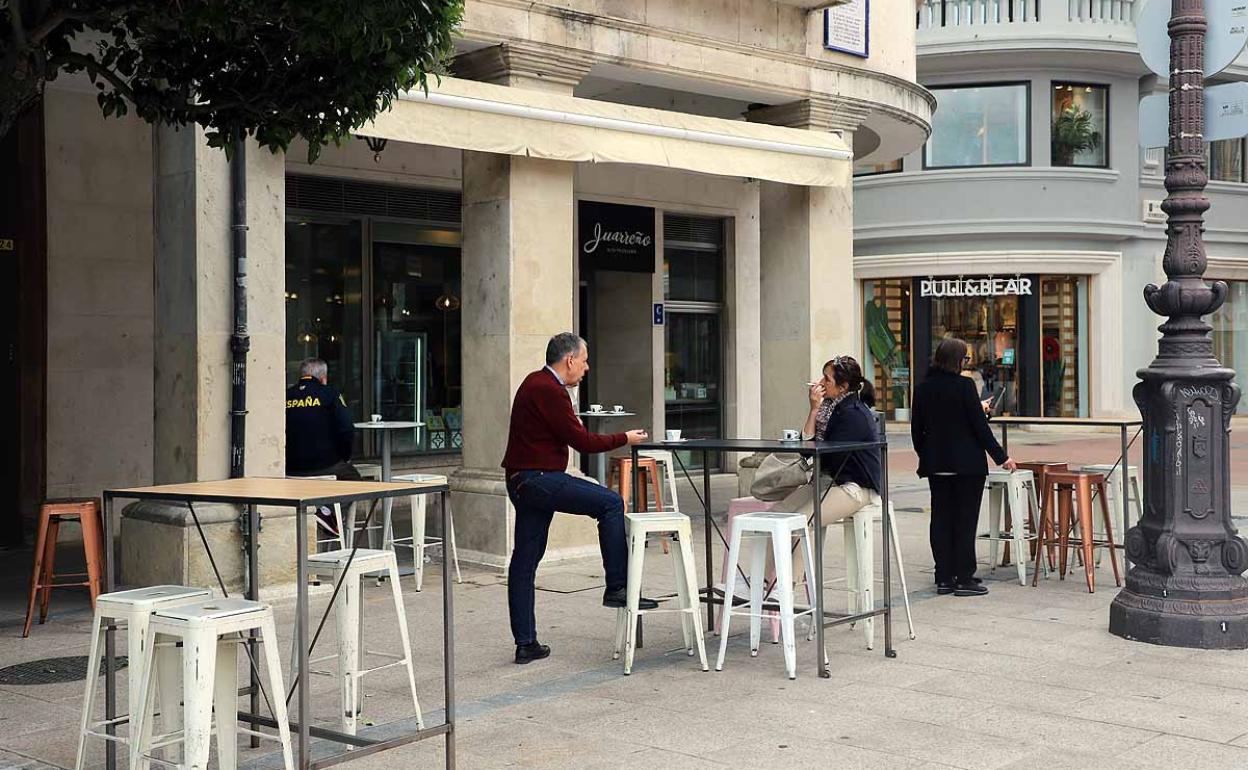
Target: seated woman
point(840, 410)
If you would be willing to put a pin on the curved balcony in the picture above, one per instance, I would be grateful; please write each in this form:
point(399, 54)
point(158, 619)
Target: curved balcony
point(956, 26)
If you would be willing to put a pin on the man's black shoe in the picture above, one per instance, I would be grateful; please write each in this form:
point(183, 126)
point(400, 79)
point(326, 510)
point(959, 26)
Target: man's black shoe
point(969, 588)
point(619, 600)
point(945, 588)
point(527, 653)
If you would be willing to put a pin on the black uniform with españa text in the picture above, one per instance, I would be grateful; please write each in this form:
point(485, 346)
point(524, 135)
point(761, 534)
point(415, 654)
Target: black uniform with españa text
point(319, 428)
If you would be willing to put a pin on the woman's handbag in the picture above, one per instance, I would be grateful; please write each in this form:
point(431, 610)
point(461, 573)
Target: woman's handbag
point(778, 476)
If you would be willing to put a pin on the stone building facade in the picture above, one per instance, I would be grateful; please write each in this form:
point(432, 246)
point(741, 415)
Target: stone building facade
point(430, 271)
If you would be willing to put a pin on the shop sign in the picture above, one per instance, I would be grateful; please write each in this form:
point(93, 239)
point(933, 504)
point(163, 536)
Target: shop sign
point(615, 237)
point(974, 287)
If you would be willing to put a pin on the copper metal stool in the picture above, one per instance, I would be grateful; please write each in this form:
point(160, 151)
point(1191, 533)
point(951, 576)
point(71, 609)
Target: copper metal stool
point(86, 511)
point(1071, 494)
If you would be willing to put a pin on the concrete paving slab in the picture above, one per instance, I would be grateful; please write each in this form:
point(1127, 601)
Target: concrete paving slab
point(1179, 751)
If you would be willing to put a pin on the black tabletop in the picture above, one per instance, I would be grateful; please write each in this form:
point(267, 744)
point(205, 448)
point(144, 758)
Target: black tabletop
point(804, 448)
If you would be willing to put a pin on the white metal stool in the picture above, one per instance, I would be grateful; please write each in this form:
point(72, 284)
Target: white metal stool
point(1113, 492)
point(667, 465)
point(640, 525)
point(349, 617)
point(133, 609)
point(1012, 494)
point(368, 472)
point(859, 541)
point(419, 541)
point(780, 528)
point(210, 630)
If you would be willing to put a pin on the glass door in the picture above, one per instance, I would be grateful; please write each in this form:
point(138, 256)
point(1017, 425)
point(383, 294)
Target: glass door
point(693, 360)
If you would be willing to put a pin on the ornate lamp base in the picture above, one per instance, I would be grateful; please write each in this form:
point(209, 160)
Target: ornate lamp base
point(1204, 612)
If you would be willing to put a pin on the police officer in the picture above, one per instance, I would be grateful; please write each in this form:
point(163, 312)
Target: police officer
point(319, 428)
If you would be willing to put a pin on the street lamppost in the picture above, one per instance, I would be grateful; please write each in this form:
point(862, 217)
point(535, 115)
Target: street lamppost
point(1186, 588)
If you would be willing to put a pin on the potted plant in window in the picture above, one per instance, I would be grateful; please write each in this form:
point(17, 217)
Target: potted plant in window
point(1073, 134)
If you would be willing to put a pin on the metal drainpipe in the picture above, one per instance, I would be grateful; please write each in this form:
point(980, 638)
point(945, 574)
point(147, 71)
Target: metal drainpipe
point(240, 342)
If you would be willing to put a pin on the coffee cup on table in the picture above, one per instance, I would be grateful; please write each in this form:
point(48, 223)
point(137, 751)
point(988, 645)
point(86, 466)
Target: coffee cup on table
point(375, 417)
point(790, 435)
point(618, 408)
point(595, 407)
point(672, 435)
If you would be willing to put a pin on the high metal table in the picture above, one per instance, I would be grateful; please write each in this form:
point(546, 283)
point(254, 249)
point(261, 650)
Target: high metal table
point(1123, 424)
point(600, 458)
point(299, 494)
point(814, 450)
point(387, 428)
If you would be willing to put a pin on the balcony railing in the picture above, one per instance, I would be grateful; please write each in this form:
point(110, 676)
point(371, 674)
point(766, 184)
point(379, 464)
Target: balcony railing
point(934, 14)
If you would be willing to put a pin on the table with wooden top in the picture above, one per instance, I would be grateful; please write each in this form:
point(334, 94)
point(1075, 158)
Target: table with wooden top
point(299, 494)
point(1123, 424)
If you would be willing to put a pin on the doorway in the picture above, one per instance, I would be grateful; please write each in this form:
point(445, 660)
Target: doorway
point(23, 322)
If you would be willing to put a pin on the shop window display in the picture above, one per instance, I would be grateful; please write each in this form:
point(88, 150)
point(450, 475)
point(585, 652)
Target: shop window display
point(989, 326)
point(886, 327)
point(1060, 347)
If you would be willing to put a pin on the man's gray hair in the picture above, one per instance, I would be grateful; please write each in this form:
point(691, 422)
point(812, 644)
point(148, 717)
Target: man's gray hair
point(314, 367)
point(561, 346)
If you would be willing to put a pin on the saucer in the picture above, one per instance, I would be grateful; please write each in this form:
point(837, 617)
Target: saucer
point(674, 440)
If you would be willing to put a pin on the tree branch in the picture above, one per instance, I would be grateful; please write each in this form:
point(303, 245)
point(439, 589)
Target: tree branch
point(19, 28)
point(49, 26)
point(95, 69)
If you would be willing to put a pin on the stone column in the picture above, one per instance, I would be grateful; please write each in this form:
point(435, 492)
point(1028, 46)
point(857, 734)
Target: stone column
point(194, 289)
point(807, 272)
point(519, 290)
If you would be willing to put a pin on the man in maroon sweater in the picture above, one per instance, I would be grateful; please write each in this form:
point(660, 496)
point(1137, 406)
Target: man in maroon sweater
point(543, 426)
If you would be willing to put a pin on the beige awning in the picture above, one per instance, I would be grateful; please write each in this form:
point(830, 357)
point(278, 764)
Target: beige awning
point(468, 115)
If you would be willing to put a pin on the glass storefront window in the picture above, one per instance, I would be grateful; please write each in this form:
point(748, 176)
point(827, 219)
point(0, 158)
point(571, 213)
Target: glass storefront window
point(989, 326)
point(379, 300)
point(693, 278)
point(693, 366)
point(1226, 160)
point(323, 310)
point(692, 275)
point(1063, 347)
point(979, 126)
point(416, 321)
point(1230, 332)
point(886, 329)
point(1078, 124)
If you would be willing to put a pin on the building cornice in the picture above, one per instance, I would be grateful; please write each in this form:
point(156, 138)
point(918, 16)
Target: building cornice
point(1097, 229)
point(1003, 174)
point(812, 114)
point(524, 60)
point(910, 89)
point(953, 263)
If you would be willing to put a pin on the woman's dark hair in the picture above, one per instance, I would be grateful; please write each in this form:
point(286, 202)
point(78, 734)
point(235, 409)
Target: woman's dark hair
point(949, 355)
point(846, 371)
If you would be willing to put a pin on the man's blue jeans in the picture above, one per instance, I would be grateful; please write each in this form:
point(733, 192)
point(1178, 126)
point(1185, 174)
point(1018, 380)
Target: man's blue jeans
point(536, 496)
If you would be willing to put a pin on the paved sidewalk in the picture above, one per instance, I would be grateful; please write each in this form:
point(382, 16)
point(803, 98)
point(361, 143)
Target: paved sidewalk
point(1021, 678)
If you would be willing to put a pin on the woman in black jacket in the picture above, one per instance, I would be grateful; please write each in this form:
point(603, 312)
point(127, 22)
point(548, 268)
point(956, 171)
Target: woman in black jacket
point(840, 410)
point(951, 434)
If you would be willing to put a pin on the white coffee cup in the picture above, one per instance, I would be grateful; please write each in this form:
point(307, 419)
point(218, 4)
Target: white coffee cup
point(619, 408)
point(595, 407)
point(376, 417)
point(672, 435)
point(790, 435)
